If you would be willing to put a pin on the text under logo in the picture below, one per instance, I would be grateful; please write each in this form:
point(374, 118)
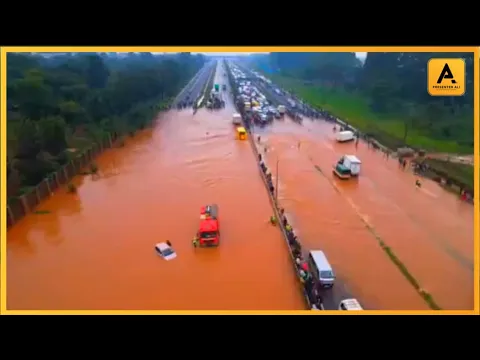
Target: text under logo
point(446, 77)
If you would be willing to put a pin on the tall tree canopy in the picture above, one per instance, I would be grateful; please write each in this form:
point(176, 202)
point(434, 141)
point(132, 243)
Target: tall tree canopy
point(392, 83)
point(57, 101)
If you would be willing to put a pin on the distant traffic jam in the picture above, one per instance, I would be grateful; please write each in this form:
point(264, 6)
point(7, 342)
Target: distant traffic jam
point(313, 268)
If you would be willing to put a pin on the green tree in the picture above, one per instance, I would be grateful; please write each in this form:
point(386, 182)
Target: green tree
point(60, 101)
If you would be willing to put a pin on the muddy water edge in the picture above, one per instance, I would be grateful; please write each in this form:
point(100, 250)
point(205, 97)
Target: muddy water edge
point(95, 249)
point(428, 229)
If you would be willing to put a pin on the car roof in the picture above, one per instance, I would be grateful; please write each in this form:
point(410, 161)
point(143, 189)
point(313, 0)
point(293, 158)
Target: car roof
point(353, 159)
point(320, 260)
point(162, 246)
point(352, 304)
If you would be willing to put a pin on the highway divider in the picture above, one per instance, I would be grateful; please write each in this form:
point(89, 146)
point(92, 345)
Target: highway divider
point(209, 85)
point(187, 86)
point(378, 139)
point(279, 216)
point(206, 90)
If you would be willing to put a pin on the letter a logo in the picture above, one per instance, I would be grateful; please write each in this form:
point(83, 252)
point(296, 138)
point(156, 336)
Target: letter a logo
point(446, 74)
point(446, 77)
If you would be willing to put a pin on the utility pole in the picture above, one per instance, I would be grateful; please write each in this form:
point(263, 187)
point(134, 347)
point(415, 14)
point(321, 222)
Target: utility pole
point(276, 183)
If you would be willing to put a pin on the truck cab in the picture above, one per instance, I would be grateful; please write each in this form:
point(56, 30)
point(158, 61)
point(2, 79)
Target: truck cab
point(209, 230)
point(348, 166)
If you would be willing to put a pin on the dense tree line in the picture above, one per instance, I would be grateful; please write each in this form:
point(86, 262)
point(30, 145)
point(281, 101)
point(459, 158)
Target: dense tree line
point(61, 103)
point(393, 83)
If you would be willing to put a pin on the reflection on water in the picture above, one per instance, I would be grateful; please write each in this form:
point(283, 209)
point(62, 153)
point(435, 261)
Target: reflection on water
point(95, 250)
point(430, 230)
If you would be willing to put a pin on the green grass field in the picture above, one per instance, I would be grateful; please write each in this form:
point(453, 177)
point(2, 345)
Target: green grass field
point(354, 108)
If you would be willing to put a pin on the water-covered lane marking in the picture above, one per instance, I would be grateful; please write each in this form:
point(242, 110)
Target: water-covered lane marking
point(366, 221)
point(403, 269)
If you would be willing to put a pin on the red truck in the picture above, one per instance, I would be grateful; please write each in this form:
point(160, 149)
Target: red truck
point(209, 230)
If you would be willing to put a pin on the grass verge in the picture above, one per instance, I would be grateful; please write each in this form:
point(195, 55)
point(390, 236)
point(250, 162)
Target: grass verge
point(354, 108)
point(428, 298)
point(403, 269)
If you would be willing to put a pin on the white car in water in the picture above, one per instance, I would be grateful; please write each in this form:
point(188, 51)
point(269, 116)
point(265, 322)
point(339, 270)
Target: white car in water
point(165, 251)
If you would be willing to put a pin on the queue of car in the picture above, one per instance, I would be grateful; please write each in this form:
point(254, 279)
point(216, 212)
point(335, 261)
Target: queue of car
point(253, 99)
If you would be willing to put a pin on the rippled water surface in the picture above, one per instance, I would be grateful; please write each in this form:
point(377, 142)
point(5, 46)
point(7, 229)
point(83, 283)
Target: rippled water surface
point(95, 250)
point(429, 229)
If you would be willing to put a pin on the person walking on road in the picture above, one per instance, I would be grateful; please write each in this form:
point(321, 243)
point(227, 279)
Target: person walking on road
point(418, 184)
point(195, 241)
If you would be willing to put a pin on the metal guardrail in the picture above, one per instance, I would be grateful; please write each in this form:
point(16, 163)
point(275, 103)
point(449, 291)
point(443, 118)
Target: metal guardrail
point(273, 202)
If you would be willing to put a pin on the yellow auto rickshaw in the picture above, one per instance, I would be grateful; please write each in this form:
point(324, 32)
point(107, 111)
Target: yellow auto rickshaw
point(241, 133)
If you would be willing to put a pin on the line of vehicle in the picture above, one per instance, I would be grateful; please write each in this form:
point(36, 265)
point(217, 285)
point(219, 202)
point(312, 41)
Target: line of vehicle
point(411, 279)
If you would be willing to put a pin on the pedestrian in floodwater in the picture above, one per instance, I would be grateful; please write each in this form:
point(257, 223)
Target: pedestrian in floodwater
point(418, 184)
point(273, 220)
point(259, 139)
point(288, 227)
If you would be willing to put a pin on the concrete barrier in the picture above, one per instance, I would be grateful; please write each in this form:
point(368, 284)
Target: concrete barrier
point(276, 211)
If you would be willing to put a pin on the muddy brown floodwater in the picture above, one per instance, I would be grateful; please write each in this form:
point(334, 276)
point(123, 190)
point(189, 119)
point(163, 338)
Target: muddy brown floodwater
point(95, 250)
point(429, 229)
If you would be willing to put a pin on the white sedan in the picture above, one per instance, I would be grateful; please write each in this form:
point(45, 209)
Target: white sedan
point(165, 251)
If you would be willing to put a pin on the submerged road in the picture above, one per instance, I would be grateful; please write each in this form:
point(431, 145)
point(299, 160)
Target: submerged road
point(192, 91)
point(95, 249)
point(428, 229)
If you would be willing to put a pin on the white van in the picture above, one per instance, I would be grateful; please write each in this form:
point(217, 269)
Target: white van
point(352, 163)
point(237, 119)
point(350, 305)
point(344, 136)
point(321, 269)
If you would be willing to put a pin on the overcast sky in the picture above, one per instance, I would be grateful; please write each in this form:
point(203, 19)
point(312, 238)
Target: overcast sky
point(360, 55)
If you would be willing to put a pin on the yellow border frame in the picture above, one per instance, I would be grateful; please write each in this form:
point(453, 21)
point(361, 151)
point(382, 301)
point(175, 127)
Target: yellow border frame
point(233, 49)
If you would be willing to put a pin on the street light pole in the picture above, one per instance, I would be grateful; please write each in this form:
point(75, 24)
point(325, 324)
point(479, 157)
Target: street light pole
point(276, 183)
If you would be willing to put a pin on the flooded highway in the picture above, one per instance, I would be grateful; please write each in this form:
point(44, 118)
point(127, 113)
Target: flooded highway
point(95, 249)
point(428, 229)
